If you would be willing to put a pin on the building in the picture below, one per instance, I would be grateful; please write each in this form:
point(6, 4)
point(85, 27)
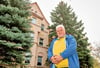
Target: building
point(40, 38)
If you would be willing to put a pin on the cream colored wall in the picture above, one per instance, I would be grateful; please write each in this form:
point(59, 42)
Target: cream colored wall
point(36, 49)
point(35, 10)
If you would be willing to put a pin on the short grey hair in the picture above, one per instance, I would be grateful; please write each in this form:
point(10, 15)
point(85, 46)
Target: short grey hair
point(60, 26)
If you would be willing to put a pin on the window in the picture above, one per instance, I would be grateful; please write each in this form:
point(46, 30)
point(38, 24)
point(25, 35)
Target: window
point(32, 36)
point(33, 20)
point(27, 57)
point(39, 62)
point(42, 27)
point(41, 42)
point(27, 60)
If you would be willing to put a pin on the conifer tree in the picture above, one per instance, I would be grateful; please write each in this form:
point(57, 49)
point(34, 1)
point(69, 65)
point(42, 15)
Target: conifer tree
point(63, 14)
point(15, 37)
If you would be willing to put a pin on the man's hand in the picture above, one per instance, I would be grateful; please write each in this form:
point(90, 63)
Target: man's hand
point(56, 59)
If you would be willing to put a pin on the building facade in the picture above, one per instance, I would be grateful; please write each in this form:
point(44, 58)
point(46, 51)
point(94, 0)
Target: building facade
point(40, 38)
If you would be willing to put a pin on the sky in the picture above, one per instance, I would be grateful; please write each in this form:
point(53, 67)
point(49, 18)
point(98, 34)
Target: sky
point(86, 10)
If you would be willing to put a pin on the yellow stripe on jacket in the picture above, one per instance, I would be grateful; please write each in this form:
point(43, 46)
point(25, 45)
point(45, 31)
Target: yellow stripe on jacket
point(60, 46)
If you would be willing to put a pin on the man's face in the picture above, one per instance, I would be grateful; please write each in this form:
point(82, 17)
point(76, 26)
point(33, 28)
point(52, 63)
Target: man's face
point(60, 32)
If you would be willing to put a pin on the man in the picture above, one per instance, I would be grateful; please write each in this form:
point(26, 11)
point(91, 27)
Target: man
point(62, 51)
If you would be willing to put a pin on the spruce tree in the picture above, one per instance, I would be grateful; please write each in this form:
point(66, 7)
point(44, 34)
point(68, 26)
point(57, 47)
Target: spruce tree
point(63, 14)
point(15, 26)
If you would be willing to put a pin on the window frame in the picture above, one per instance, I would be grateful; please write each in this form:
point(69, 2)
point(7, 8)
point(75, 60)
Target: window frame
point(42, 27)
point(34, 20)
point(39, 60)
point(28, 56)
point(41, 41)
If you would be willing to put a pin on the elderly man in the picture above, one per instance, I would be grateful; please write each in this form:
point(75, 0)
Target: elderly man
point(62, 51)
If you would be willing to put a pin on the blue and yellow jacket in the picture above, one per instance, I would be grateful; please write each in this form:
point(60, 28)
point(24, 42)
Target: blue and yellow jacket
point(70, 52)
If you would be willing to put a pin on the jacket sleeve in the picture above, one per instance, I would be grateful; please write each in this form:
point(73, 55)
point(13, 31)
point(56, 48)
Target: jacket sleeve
point(50, 54)
point(71, 49)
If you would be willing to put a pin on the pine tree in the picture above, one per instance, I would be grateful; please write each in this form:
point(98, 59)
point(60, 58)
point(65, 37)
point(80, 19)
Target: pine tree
point(63, 14)
point(15, 37)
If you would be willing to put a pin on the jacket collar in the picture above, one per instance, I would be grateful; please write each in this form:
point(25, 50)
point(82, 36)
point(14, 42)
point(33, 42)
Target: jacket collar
point(65, 36)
